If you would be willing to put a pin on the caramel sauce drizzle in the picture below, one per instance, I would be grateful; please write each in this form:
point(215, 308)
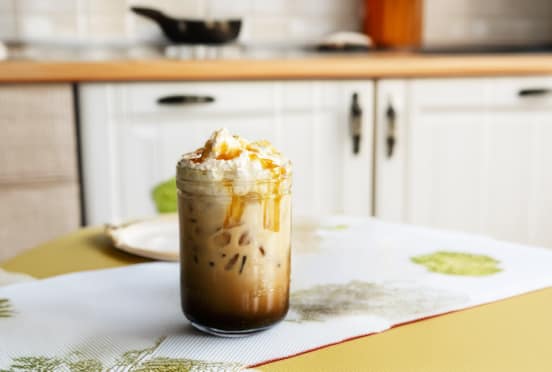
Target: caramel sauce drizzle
point(234, 211)
point(203, 153)
point(226, 154)
point(271, 213)
point(198, 154)
point(236, 208)
point(271, 206)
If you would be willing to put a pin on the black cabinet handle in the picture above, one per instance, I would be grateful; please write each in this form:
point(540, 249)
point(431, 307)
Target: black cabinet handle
point(534, 92)
point(356, 123)
point(390, 136)
point(184, 99)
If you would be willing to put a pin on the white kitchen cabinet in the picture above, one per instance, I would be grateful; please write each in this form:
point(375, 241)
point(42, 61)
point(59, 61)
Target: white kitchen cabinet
point(470, 154)
point(130, 142)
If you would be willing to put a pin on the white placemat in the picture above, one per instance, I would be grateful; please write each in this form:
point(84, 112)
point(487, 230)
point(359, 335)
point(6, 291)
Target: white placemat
point(7, 278)
point(350, 277)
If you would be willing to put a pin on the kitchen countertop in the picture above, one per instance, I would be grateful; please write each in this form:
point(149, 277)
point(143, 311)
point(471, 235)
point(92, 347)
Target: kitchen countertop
point(374, 65)
point(508, 335)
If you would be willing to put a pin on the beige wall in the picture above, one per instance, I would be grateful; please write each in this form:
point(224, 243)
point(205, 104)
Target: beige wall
point(487, 21)
point(111, 21)
point(270, 21)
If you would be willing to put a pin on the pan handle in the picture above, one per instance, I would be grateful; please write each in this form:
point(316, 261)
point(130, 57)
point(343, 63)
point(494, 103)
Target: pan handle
point(184, 99)
point(150, 13)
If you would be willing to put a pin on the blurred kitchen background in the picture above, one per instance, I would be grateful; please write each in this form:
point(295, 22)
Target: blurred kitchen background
point(287, 22)
point(110, 21)
point(458, 152)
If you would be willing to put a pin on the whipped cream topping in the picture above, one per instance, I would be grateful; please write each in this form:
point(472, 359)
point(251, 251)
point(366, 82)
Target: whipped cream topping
point(230, 157)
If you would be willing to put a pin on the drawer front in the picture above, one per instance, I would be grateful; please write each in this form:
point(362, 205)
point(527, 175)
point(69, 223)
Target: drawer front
point(516, 93)
point(531, 93)
point(34, 213)
point(188, 98)
point(38, 133)
point(445, 93)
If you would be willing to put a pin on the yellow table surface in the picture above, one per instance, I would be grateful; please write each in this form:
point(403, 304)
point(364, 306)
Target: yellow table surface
point(510, 335)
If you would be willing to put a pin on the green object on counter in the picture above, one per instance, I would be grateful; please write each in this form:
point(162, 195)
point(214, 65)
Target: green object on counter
point(456, 263)
point(164, 196)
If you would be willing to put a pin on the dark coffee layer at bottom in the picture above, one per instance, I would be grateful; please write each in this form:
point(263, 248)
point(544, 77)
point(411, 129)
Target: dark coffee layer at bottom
point(232, 322)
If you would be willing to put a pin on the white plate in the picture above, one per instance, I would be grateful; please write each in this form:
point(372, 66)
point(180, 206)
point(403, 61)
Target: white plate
point(155, 238)
point(158, 237)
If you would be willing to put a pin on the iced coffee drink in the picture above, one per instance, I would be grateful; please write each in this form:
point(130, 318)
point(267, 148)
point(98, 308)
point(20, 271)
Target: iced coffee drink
point(234, 207)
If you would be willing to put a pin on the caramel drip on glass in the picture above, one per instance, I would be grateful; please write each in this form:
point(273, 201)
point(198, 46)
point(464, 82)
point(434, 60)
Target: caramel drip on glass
point(271, 206)
point(234, 211)
point(270, 202)
point(271, 213)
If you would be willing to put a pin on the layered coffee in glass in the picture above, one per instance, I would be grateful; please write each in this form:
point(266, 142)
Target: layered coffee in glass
point(234, 201)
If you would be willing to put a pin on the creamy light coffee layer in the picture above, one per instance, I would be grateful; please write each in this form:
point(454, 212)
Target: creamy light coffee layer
point(235, 221)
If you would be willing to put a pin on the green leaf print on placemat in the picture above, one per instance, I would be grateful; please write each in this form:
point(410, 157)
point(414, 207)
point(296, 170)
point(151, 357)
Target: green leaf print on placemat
point(164, 196)
point(387, 300)
point(41, 363)
point(34, 364)
point(130, 361)
point(170, 364)
point(132, 358)
point(6, 310)
point(457, 263)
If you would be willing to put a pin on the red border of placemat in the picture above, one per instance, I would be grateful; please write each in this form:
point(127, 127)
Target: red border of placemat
point(394, 326)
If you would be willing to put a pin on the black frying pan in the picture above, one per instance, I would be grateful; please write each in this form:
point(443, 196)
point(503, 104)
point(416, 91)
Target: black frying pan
point(188, 31)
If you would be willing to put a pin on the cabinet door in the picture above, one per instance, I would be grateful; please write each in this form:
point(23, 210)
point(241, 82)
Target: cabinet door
point(521, 183)
point(308, 121)
point(314, 132)
point(39, 186)
point(470, 156)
